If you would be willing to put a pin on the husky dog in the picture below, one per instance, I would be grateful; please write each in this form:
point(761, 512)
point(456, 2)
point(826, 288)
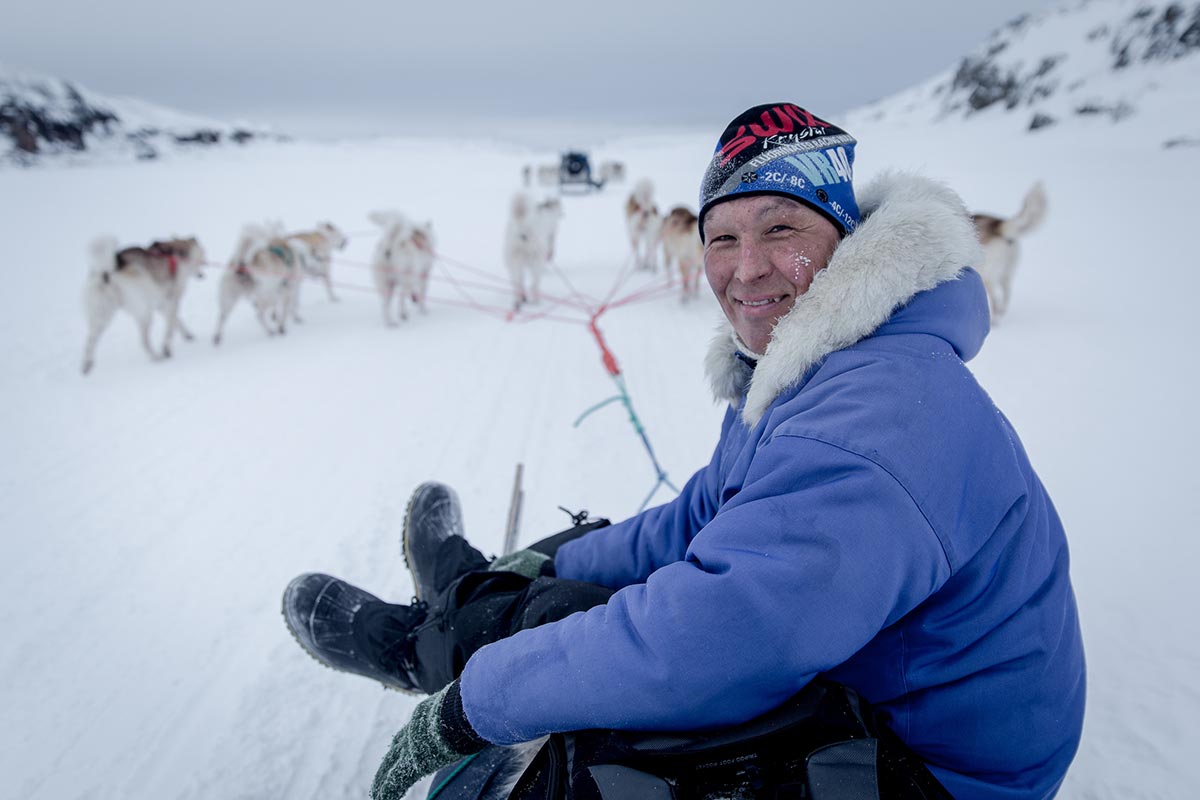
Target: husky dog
point(611, 171)
point(529, 244)
point(140, 280)
point(547, 174)
point(315, 250)
point(642, 223)
point(1000, 252)
point(265, 268)
point(402, 263)
point(681, 245)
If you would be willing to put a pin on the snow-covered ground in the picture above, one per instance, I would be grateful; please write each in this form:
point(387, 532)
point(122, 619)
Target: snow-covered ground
point(151, 514)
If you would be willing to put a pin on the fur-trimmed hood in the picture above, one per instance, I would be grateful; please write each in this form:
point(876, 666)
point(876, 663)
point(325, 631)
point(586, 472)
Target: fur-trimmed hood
point(915, 234)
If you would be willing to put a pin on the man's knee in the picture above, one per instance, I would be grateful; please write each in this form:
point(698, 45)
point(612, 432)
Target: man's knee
point(552, 599)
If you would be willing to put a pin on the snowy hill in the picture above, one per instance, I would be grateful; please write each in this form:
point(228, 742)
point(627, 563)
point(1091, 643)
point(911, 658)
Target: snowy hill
point(44, 117)
point(1098, 61)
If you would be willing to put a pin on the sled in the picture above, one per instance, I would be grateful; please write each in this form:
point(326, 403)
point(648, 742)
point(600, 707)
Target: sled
point(575, 173)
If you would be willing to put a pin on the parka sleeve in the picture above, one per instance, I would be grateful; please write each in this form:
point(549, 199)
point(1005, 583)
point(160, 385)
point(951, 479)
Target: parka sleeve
point(819, 551)
point(628, 552)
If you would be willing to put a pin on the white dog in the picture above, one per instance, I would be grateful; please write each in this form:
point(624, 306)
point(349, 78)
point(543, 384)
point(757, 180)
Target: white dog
point(266, 269)
point(1000, 251)
point(402, 263)
point(547, 174)
point(642, 223)
point(315, 250)
point(529, 244)
point(611, 171)
point(140, 280)
point(680, 236)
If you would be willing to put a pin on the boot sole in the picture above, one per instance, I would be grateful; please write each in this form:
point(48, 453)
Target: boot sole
point(408, 559)
point(287, 622)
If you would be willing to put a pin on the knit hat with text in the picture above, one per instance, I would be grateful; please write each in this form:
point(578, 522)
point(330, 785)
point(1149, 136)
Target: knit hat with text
point(780, 148)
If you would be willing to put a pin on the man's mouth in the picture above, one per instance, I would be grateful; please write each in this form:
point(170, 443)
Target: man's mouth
point(766, 301)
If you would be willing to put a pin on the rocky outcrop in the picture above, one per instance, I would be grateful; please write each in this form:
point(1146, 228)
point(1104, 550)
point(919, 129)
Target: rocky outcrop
point(1085, 59)
point(43, 118)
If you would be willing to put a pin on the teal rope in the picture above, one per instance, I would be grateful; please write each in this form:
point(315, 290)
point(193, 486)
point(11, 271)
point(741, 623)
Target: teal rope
point(596, 407)
point(636, 421)
point(461, 766)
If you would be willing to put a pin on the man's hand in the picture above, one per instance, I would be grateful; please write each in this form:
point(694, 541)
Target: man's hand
point(529, 563)
point(437, 735)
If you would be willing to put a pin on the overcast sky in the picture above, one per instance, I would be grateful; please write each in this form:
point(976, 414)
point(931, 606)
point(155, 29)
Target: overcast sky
point(375, 66)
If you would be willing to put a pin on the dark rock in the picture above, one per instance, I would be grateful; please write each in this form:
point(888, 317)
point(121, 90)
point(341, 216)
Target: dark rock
point(1041, 120)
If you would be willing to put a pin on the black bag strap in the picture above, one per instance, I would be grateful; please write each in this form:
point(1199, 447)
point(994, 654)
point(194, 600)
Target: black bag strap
point(825, 743)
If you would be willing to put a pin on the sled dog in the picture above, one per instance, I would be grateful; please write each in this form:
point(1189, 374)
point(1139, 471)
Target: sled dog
point(611, 171)
point(402, 263)
point(547, 174)
point(140, 280)
point(266, 269)
point(529, 244)
point(999, 236)
point(682, 248)
point(314, 249)
point(642, 223)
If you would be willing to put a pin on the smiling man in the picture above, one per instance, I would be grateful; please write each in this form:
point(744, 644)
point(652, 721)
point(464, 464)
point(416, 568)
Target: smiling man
point(868, 517)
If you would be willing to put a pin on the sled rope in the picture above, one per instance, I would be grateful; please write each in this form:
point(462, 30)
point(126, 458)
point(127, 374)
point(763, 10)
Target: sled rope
point(574, 301)
point(461, 766)
point(614, 371)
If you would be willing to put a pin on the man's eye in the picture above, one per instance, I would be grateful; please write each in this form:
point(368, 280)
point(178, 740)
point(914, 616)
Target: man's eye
point(777, 228)
point(724, 237)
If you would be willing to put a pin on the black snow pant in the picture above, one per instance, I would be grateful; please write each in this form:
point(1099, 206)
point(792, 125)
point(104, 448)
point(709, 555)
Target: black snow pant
point(475, 607)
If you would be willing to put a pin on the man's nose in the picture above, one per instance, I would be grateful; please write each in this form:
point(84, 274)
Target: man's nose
point(753, 263)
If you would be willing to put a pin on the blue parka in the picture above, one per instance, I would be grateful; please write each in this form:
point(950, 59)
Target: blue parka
point(868, 515)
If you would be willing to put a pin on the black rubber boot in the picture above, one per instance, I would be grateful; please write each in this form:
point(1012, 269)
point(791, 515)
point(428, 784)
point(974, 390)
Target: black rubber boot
point(348, 629)
point(435, 547)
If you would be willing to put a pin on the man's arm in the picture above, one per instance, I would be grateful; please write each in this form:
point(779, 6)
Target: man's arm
point(819, 551)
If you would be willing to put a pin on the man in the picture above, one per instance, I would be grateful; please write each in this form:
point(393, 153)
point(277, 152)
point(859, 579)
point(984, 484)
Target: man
point(868, 516)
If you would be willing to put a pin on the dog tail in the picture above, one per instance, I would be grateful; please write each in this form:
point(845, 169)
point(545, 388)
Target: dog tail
point(252, 239)
point(102, 256)
point(1033, 211)
point(643, 192)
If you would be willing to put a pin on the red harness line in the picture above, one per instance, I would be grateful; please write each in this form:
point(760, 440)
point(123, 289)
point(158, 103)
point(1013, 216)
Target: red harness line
point(577, 301)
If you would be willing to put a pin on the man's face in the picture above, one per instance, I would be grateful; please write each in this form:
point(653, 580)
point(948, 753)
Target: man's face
point(760, 254)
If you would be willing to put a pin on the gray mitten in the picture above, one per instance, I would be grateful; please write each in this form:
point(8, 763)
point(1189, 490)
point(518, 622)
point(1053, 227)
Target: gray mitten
point(529, 563)
point(437, 735)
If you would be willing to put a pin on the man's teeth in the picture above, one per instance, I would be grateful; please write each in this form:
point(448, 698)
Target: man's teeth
point(759, 302)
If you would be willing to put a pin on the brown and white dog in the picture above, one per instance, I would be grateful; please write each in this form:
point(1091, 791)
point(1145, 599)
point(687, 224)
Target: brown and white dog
point(682, 248)
point(642, 224)
point(529, 244)
point(999, 235)
point(402, 263)
point(266, 269)
point(315, 250)
point(140, 280)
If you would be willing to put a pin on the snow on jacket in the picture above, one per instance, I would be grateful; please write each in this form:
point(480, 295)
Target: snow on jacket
point(868, 515)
